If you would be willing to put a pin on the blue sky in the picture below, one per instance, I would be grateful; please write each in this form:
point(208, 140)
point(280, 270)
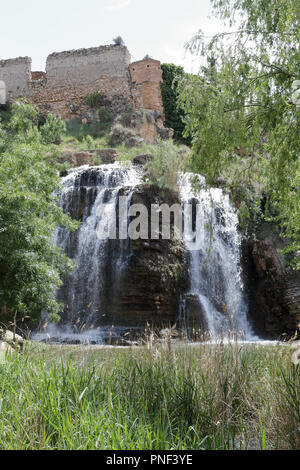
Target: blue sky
point(160, 28)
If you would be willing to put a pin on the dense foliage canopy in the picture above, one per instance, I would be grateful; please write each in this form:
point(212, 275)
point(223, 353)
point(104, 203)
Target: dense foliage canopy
point(243, 110)
point(173, 114)
point(31, 266)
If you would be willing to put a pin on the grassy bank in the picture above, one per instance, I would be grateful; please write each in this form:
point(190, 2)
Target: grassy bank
point(200, 397)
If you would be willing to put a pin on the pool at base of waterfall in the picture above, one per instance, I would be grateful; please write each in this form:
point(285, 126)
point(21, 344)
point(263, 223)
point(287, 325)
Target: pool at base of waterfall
point(120, 336)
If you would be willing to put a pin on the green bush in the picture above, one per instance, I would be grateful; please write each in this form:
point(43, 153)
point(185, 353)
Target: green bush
point(93, 100)
point(23, 118)
point(90, 143)
point(80, 131)
point(104, 116)
point(118, 41)
point(167, 162)
point(53, 130)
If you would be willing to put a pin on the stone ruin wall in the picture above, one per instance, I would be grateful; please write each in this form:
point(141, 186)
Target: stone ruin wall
point(16, 74)
point(71, 76)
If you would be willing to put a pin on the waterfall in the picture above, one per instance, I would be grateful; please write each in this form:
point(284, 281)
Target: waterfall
point(216, 283)
point(90, 194)
point(216, 300)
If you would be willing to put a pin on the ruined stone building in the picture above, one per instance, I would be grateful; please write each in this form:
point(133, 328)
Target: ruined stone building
point(73, 75)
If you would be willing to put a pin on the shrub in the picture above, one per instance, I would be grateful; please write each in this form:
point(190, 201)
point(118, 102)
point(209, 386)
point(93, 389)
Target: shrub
point(104, 115)
point(31, 267)
point(53, 130)
point(79, 131)
point(118, 41)
point(93, 100)
point(165, 165)
point(90, 143)
point(24, 117)
point(106, 119)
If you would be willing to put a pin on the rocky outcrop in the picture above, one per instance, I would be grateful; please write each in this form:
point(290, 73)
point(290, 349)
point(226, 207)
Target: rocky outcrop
point(275, 287)
point(107, 156)
point(155, 273)
point(124, 283)
point(121, 134)
point(194, 315)
point(99, 156)
point(142, 160)
point(134, 127)
point(75, 159)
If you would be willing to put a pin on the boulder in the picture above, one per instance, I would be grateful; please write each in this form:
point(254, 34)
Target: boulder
point(122, 135)
point(107, 156)
point(134, 141)
point(13, 340)
point(76, 159)
point(194, 315)
point(82, 158)
point(277, 292)
point(142, 159)
point(135, 127)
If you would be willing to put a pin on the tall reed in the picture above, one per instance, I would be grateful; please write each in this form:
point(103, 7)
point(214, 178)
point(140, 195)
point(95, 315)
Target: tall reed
point(208, 396)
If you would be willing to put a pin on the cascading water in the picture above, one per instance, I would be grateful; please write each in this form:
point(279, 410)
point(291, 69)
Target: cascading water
point(90, 293)
point(91, 194)
point(214, 269)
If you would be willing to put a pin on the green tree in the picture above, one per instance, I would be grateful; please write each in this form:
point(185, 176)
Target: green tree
point(31, 267)
point(244, 116)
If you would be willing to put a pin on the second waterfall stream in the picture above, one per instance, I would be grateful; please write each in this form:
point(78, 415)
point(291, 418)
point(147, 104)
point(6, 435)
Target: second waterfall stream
point(215, 271)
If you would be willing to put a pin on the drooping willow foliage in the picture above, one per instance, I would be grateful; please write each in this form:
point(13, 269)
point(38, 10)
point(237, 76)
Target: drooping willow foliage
point(243, 110)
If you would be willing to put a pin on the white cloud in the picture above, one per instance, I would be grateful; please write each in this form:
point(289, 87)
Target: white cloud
point(118, 6)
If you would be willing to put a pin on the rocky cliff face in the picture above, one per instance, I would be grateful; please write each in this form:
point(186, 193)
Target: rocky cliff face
point(275, 287)
point(154, 274)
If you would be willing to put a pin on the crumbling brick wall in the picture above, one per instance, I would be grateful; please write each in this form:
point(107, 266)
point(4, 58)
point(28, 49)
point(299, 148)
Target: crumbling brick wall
point(73, 75)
